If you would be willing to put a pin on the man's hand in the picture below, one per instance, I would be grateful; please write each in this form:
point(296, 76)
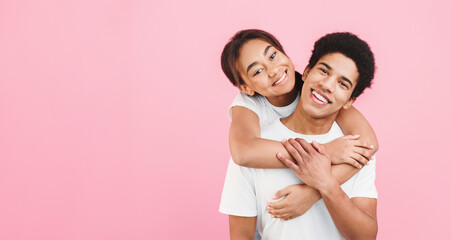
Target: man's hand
point(313, 164)
point(299, 199)
point(350, 150)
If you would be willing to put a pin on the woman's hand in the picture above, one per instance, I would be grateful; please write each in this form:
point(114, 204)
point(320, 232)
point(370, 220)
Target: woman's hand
point(299, 199)
point(350, 150)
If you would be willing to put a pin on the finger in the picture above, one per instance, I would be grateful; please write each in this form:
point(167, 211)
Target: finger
point(363, 144)
point(277, 205)
point(297, 145)
point(287, 218)
point(319, 147)
point(288, 162)
point(307, 146)
point(280, 213)
point(368, 154)
point(292, 150)
point(359, 158)
point(351, 161)
point(282, 192)
point(276, 212)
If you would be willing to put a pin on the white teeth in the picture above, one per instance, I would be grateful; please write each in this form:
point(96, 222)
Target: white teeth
point(317, 95)
point(281, 79)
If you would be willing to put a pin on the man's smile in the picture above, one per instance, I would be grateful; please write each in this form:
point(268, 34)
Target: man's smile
point(320, 98)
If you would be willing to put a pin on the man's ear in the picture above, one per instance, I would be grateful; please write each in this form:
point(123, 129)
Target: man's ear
point(349, 103)
point(246, 89)
point(306, 72)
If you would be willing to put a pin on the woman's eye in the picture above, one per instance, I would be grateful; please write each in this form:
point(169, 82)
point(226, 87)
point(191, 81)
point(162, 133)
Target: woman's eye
point(272, 56)
point(258, 71)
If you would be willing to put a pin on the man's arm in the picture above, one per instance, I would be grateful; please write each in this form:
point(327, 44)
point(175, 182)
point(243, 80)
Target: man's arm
point(242, 228)
point(356, 218)
point(300, 197)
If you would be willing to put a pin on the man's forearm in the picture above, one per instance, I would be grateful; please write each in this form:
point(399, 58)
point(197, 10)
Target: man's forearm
point(343, 172)
point(351, 221)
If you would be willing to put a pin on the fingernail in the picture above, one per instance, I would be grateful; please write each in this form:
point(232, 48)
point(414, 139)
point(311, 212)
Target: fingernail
point(371, 146)
point(274, 197)
point(282, 220)
point(284, 140)
point(279, 155)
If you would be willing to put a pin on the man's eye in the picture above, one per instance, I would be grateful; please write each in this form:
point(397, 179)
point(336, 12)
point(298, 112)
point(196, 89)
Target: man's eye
point(323, 70)
point(344, 85)
point(258, 71)
point(272, 56)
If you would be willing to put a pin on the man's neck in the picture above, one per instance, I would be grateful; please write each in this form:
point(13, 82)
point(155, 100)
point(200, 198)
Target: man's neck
point(302, 123)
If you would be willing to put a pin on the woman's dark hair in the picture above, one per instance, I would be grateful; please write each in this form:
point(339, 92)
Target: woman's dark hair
point(231, 51)
point(352, 47)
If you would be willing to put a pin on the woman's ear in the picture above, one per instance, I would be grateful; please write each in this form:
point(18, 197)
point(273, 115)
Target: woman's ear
point(246, 89)
point(306, 72)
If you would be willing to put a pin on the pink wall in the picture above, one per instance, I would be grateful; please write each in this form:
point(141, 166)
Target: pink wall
point(113, 119)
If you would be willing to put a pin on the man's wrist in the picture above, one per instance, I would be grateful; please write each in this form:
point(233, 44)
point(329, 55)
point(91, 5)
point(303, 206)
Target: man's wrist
point(328, 186)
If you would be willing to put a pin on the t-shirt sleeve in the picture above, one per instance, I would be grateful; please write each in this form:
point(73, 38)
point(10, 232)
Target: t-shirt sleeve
point(246, 101)
point(365, 185)
point(238, 195)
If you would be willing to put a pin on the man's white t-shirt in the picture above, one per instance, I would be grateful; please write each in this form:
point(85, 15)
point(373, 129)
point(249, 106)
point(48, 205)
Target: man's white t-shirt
point(247, 190)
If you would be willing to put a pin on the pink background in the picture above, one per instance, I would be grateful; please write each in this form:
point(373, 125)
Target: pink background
point(113, 119)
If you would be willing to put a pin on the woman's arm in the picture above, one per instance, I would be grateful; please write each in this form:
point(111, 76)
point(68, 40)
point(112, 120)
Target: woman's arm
point(352, 122)
point(248, 149)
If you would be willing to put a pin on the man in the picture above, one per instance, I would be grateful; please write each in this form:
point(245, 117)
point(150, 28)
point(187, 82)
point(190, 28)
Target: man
point(340, 68)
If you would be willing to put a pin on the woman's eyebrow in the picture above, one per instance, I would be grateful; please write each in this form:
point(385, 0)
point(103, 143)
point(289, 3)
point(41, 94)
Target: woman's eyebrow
point(266, 50)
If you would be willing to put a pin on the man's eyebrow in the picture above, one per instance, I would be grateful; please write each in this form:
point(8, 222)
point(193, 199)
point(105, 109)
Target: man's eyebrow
point(264, 53)
point(330, 68)
point(326, 65)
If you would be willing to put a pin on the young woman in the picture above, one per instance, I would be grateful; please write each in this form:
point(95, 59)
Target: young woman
point(255, 62)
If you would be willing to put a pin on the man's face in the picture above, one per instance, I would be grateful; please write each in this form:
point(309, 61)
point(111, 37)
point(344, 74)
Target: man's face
point(328, 85)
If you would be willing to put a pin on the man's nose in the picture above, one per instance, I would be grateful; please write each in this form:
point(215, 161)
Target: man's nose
point(328, 84)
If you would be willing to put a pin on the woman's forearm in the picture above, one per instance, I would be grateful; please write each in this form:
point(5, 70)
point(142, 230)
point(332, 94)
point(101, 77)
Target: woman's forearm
point(258, 153)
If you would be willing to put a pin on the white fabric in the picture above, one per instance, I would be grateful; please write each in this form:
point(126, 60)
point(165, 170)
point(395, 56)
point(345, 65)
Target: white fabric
point(265, 111)
point(247, 191)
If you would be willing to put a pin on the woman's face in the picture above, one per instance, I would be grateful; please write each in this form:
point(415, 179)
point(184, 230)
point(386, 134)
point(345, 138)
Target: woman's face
point(265, 70)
